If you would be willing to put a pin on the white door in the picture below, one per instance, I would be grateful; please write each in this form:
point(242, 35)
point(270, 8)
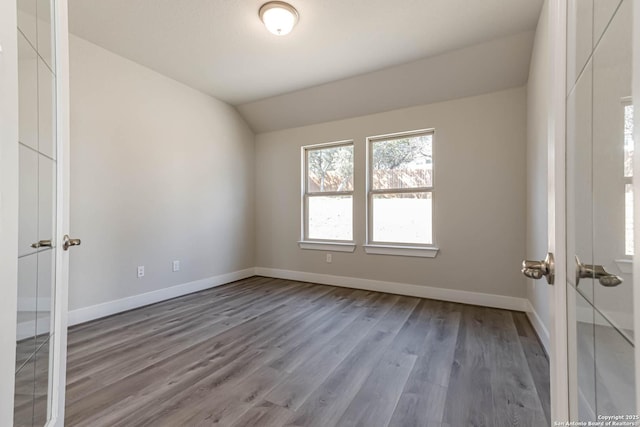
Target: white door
point(591, 209)
point(599, 206)
point(42, 260)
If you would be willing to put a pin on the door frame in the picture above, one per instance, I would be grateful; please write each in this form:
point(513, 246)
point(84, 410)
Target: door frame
point(59, 367)
point(556, 186)
point(636, 190)
point(556, 179)
point(8, 204)
point(9, 208)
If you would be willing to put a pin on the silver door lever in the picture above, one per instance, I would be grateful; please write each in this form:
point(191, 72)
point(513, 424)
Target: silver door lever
point(537, 269)
point(591, 271)
point(68, 242)
point(42, 244)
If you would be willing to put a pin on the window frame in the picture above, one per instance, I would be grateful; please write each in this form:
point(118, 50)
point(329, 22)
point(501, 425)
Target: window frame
point(324, 244)
point(427, 250)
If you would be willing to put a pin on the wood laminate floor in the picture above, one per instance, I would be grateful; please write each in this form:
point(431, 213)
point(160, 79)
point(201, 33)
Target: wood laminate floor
point(268, 352)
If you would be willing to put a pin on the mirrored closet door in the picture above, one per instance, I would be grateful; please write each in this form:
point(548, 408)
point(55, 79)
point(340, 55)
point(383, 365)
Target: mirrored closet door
point(37, 212)
point(600, 237)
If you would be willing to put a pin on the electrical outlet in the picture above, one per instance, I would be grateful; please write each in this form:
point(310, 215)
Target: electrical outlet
point(329, 258)
point(140, 271)
point(175, 266)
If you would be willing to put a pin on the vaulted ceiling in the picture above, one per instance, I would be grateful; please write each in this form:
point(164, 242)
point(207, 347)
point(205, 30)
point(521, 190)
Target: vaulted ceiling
point(397, 51)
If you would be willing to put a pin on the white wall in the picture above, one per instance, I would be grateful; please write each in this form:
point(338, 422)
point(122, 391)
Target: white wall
point(159, 172)
point(538, 92)
point(8, 205)
point(479, 220)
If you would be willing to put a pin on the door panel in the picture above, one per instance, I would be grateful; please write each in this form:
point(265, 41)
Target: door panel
point(37, 214)
point(45, 32)
point(46, 197)
point(27, 291)
point(582, 343)
point(611, 86)
point(598, 179)
point(28, 196)
point(46, 110)
point(579, 190)
point(24, 394)
point(27, 20)
point(603, 11)
point(41, 388)
point(28, 93)
point(579, 37)
point(44, 303)
point(614, 362)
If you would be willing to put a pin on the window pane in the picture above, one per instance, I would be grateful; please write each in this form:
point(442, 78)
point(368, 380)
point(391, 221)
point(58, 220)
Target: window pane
point(403, 163)
point(628, 141)
point(330, 217)
point(402, 218)
point(628, 219)
point(330, 169)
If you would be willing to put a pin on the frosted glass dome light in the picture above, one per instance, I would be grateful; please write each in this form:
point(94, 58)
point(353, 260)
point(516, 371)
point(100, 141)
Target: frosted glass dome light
point(279, 17)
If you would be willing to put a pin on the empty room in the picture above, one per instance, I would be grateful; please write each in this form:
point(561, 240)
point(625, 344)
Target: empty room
point(319, 213)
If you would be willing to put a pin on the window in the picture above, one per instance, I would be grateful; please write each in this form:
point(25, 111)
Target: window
point(628, 178)
point(400, 197)
point(328, 195)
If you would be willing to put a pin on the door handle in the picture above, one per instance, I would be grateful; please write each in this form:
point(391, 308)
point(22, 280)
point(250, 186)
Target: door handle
point(537, 269)
point(589, 271)
point(42, 244)
point(68, 242)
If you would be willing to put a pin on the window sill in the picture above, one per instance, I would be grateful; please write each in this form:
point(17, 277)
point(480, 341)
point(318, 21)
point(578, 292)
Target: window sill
point(414, 251)
point(327, 246)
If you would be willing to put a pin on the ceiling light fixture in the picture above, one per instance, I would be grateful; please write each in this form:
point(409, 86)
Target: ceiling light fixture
point(279, 17)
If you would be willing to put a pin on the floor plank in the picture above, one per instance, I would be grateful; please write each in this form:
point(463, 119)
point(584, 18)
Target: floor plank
point(537, 361)
point(422, 401)
point(264, 414)
point(326, 405)
point(270, 352)
point(469, 400)
point(211, 362)
point(308, 376)
point(376, 400)
point(516, 401)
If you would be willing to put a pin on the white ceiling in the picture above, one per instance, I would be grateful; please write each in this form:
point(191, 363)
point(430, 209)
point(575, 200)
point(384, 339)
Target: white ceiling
point(220, 46)
point(474, 70)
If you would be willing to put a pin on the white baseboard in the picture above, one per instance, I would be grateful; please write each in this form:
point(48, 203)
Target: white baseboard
point(30, 328)
point(452, 295)
point(97, 311)
point(538, 325)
